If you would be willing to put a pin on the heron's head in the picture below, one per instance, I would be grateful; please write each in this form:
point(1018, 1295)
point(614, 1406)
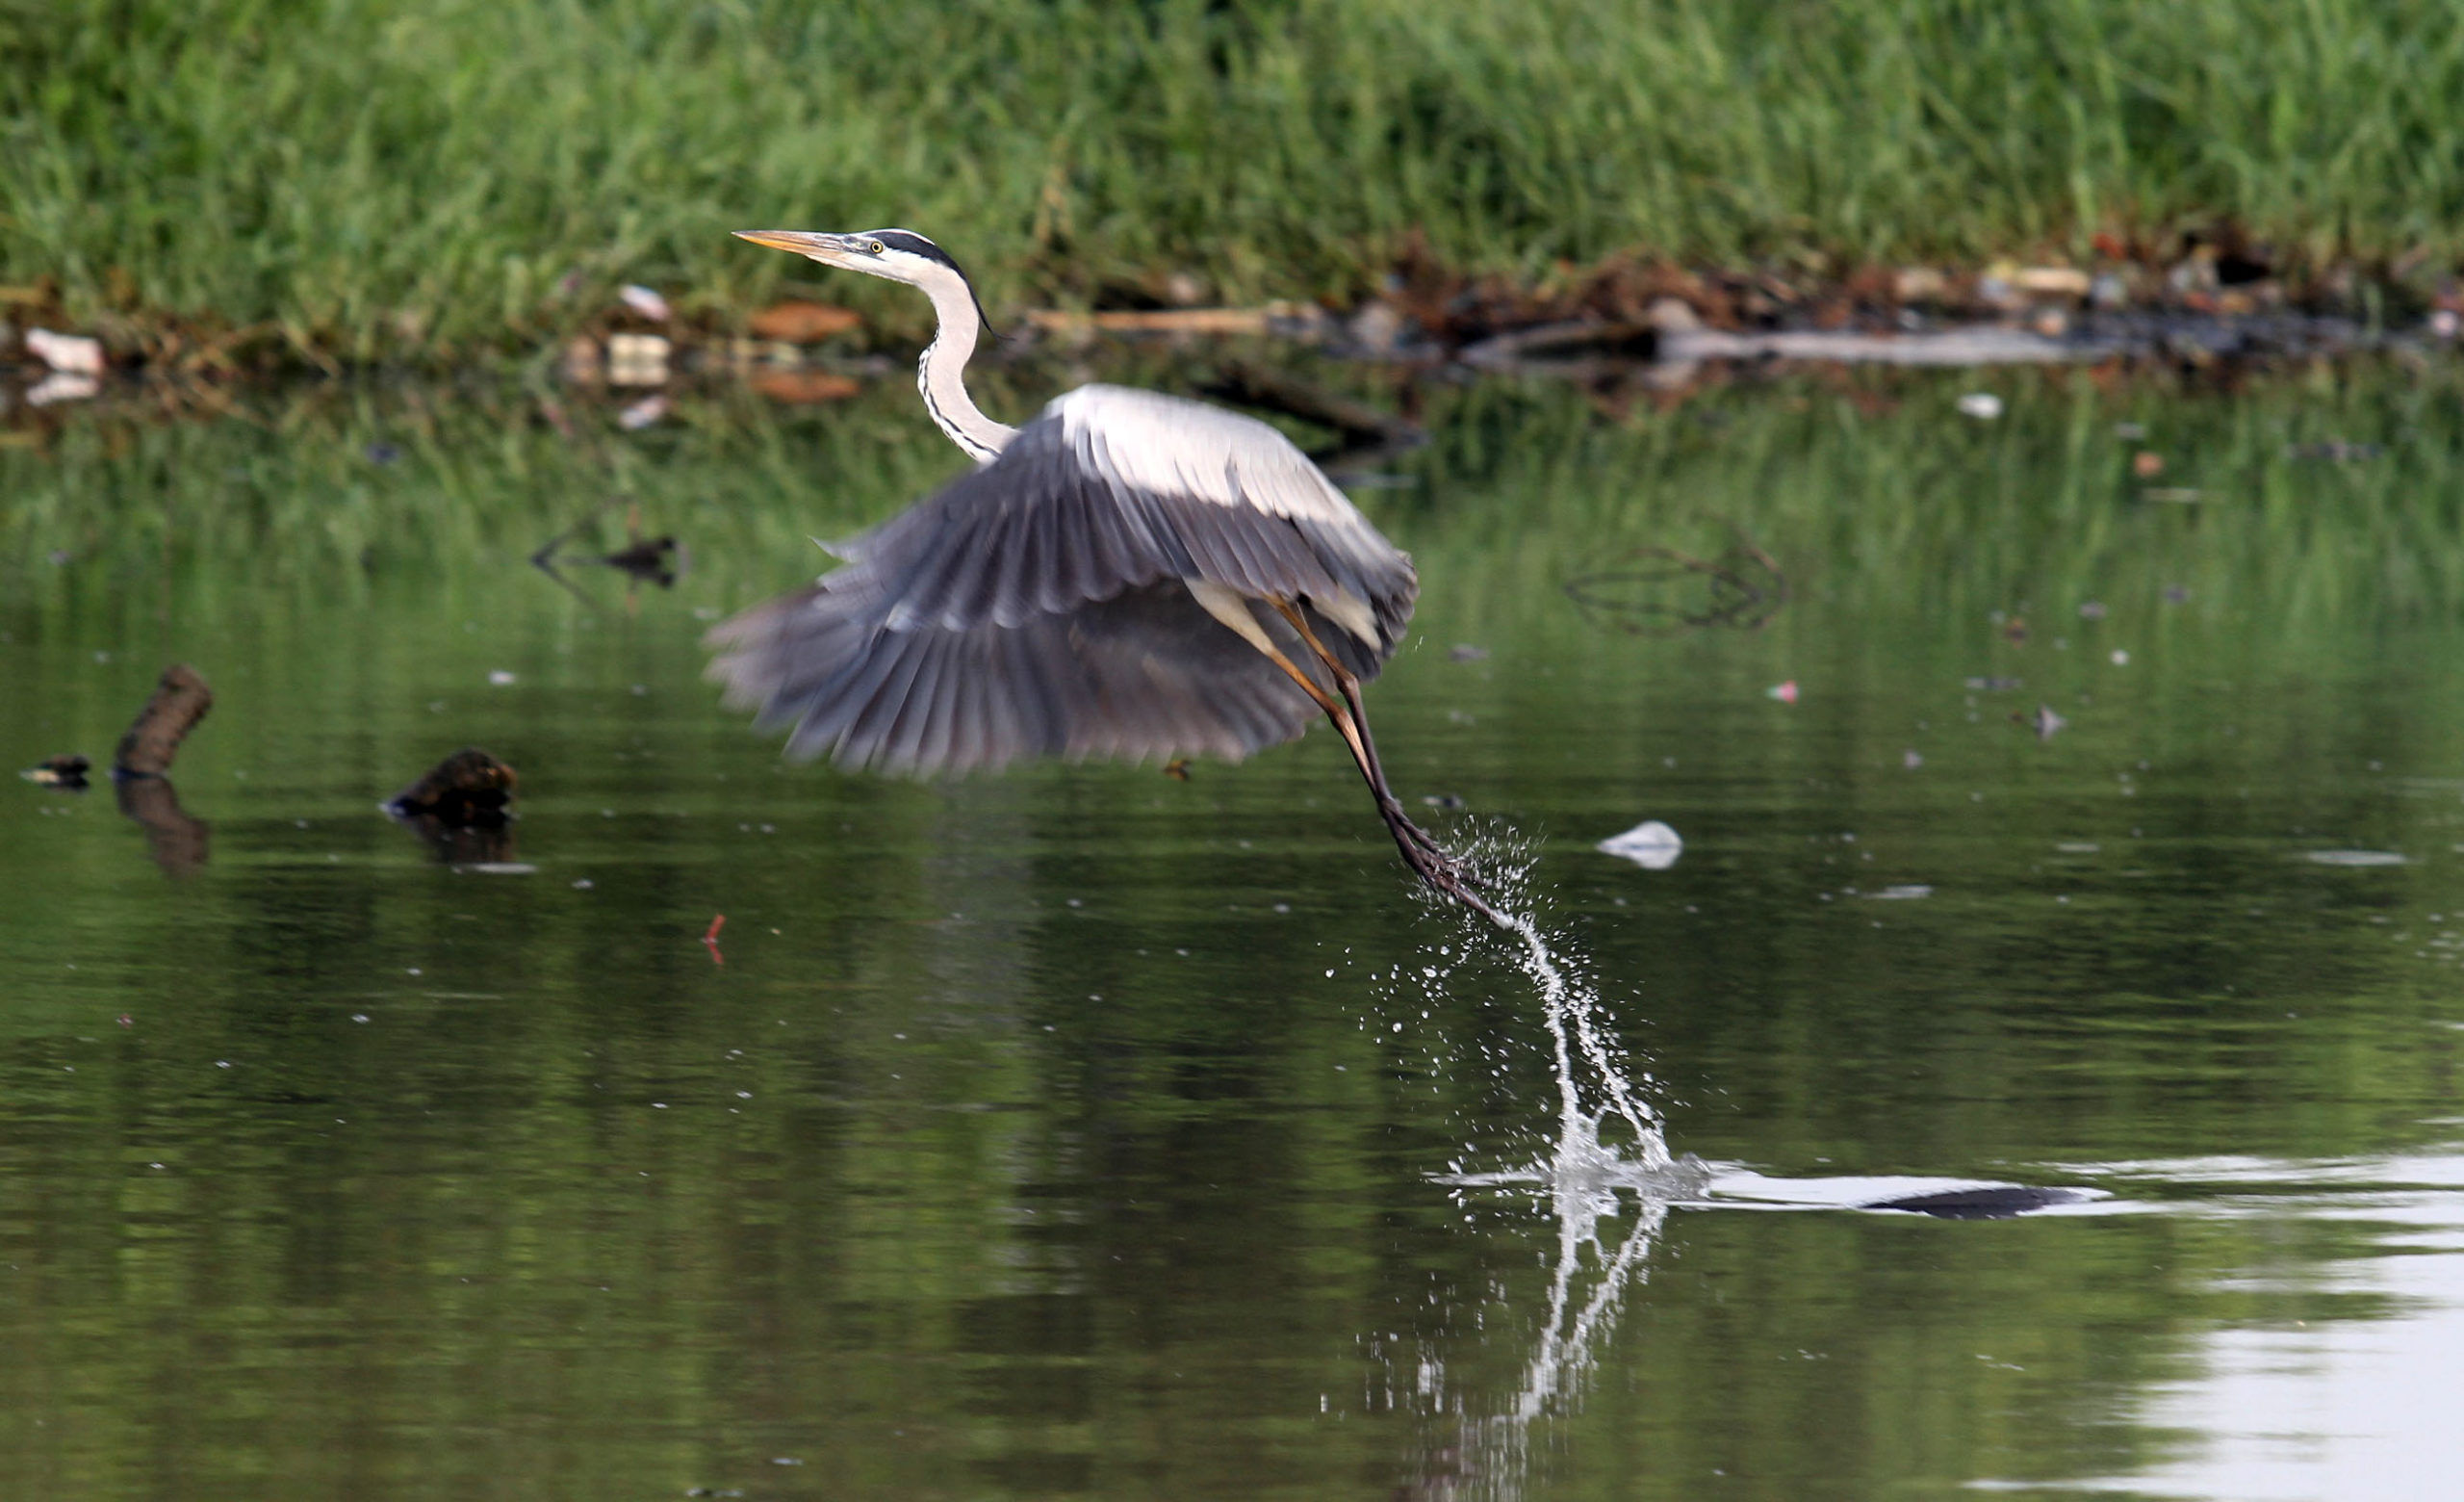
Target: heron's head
point(899, 254)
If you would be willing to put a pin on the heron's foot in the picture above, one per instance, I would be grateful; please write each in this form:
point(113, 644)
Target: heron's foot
point(1449, 874)
point(1412, 836)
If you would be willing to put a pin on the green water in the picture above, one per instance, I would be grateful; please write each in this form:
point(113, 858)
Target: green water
point(1083, 1131)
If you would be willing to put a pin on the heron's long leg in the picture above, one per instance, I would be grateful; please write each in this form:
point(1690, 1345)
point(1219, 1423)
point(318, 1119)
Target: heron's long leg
point(1371, 767)
point(1421, 851)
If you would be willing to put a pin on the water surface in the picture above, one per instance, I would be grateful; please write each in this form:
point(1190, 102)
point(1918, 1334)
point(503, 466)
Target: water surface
point(1084, 1131)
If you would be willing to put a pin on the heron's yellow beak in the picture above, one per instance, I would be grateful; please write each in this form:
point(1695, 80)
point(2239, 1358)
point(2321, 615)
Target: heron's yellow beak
point(801, 242)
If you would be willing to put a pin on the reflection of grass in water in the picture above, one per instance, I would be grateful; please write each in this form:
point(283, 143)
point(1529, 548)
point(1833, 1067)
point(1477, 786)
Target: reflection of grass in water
point(383, 178)
point(1876, 493)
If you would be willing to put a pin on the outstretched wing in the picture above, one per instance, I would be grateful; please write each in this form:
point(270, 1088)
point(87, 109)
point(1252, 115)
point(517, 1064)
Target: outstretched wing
point(1040, 606)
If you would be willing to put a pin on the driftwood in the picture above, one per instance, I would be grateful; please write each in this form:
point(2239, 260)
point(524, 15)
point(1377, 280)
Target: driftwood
point(1985, 1202)
point(178, 702)
point(469, 788)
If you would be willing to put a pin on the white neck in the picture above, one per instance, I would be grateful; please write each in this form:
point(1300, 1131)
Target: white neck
point(938, 375)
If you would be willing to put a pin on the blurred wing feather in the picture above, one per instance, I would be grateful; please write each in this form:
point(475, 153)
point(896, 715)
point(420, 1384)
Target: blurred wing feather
point(1040, 606)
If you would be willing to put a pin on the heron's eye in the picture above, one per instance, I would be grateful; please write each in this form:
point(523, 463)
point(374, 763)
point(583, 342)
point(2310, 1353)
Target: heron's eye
point(874, 246)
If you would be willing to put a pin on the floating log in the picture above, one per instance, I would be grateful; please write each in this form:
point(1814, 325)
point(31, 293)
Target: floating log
point(467, 788)
point(1985, 1202)
point(178, 702)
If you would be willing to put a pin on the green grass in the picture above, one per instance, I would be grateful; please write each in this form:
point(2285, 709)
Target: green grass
point(386, 179)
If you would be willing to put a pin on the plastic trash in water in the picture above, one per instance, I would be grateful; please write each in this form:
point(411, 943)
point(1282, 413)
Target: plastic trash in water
point(1650, 844)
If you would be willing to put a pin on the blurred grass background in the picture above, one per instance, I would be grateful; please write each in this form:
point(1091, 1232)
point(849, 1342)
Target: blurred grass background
point(384, 179)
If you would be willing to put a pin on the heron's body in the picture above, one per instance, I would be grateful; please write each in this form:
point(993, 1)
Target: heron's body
point(1128, 575)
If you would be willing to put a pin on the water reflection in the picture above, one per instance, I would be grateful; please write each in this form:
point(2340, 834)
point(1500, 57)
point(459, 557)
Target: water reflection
point(178, 841)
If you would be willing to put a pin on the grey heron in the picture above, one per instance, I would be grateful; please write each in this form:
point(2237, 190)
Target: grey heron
point(1128, 575)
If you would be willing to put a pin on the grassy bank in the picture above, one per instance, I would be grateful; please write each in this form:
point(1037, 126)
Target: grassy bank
point(382, 179)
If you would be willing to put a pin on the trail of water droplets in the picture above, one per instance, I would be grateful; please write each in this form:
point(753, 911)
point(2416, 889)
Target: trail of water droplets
point(1576, 1175)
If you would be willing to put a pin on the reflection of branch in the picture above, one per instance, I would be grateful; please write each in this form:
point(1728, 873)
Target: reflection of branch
point(175, 839)
point(1747, 589)
point(655, 560)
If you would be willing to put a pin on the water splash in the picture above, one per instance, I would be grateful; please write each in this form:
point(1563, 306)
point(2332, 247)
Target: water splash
point(1595, 1080)
point(1586, 1183)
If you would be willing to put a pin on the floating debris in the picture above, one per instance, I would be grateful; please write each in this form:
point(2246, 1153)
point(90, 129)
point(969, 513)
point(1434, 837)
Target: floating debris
point(2044, 722)
point(2177, 594)
point(67, 772)
point(1465, 652)
point(468, 789)
point(2120, 657)
point(1983, 405)
point(1651, 845)
point(2091, 609)
point(180, 699)
point(1994, 684)
point(1986, 1201)
point(1445, 800)
point(1785, 693)
point(1911, 759)
point(643, 413)
point(2174, 495)
point(2147, 464)
point(1177, 768)
point(1900, 891)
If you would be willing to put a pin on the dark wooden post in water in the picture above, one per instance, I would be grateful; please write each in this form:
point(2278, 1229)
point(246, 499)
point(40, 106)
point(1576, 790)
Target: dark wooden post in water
point(141, 766)
point(178, 702)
